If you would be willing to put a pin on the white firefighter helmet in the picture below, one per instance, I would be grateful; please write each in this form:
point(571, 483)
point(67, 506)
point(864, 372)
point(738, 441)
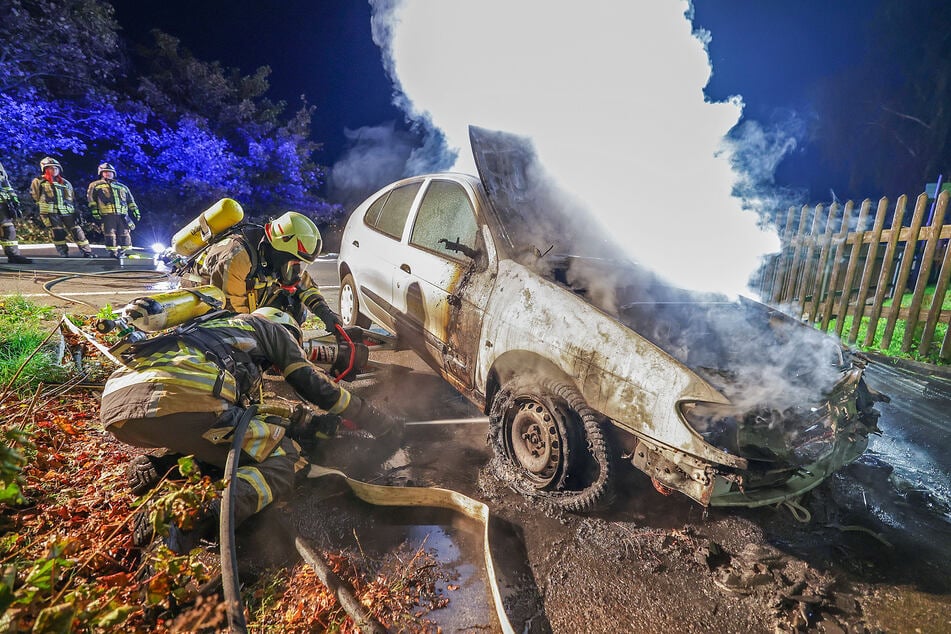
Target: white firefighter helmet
point(296, 234)
point(49, 161)
point(283, 318)
point(106, 167)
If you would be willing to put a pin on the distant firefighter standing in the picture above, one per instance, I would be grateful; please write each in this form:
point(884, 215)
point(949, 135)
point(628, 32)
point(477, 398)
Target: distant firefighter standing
point(9, 210)
point(55, 199)
point(111, 203)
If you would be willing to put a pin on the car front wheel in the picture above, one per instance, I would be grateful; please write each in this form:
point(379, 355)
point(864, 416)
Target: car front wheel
point(549, 444)
point(350, 304)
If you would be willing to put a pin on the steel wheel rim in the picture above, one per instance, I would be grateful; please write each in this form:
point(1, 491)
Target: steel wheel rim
point(348, 303)
point(535, 443)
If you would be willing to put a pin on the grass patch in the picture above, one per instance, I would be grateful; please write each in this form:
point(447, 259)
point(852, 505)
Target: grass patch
point(926, 300)
point(894, 348)
point(23, 326)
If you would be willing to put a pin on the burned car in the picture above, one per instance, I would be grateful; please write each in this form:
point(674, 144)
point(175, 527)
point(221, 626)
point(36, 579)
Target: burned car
point(585, 361)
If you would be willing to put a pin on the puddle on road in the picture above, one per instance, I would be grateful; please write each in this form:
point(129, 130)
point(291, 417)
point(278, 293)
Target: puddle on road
point(455, 543)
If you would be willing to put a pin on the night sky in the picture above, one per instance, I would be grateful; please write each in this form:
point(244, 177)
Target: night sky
point(772, 52)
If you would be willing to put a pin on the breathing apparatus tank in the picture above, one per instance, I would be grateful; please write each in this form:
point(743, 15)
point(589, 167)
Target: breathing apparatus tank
point(220, 217)
point(171, 308)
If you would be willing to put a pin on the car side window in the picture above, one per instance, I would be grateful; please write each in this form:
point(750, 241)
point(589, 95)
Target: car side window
point(395, 209)
point(446, 222)
point(372, 216)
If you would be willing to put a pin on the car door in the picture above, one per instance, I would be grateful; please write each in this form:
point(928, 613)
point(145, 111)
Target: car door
point(376, 248)
point(437, 279)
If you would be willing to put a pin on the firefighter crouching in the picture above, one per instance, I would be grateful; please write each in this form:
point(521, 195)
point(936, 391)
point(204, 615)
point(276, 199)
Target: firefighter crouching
point(185, 391)
point(259, 266)
point(55, 199)
point(111, 203)
point(10, 210)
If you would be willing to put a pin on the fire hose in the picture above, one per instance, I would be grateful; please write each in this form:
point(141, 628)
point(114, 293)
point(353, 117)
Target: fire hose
point(229, 555)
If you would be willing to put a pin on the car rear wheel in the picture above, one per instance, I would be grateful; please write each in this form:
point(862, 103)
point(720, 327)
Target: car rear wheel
point(350, 304)
point(549, 444)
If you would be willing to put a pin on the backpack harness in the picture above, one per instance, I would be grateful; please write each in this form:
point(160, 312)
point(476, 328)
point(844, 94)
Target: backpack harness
point(229, 359)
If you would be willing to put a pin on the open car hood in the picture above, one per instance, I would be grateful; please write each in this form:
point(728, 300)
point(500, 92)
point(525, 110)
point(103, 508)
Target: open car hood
point(534, 213)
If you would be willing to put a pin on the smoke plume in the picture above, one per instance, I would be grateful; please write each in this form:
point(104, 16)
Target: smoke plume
point(612, 96)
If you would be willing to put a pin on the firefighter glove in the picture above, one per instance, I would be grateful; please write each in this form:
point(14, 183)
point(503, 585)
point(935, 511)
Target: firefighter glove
point(95, 213)
point(15, 210)
point(382, 424)
point(326, 315)
point(307, 425)
point(130, 224)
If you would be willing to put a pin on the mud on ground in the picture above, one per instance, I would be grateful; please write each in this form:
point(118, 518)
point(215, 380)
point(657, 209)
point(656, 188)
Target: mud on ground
point(650, 564)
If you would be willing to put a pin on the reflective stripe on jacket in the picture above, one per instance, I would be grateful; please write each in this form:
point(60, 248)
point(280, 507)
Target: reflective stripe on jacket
point(111, 197)
point(7, 193)
point(181, 378)
point(54, 197)
point(247, 285)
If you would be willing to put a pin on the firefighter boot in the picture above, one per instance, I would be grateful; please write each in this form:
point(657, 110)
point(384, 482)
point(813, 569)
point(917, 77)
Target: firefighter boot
point(204, 527)
point(63, 251)
point(179, 541)
point(14, 257)
point(144, 472)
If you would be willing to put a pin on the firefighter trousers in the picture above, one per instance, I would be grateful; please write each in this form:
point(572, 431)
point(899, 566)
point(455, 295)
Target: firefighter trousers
point(8, 232)
point(115, 232)
point(261, 479)
point(58, 224)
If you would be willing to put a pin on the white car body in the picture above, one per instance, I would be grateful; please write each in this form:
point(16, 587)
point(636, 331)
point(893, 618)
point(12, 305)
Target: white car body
point(483, 312)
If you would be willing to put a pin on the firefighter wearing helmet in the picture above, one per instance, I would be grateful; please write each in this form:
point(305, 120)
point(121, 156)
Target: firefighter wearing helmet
point(111, 203)
point(55, 200)
point(186, 390)
point(259, 266)
point(9, 210)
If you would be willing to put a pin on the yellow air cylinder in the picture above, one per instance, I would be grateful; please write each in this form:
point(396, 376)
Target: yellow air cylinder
point(171, 308)
point(221, 216)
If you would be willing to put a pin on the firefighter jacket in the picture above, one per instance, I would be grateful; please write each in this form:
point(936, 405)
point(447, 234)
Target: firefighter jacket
point(53, 195)
point(7, 193)
point(210, 368)
point(110, 197)
point(235, 266)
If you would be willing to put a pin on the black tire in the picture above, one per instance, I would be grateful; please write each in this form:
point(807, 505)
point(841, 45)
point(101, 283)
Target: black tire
point(350, 304)
point(549, 445)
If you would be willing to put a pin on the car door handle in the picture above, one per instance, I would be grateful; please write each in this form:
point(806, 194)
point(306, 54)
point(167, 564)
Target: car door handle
point(356, 243)
point(405, 267)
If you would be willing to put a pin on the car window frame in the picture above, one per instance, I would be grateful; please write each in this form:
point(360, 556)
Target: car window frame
point(410, 215)
point(473, 205)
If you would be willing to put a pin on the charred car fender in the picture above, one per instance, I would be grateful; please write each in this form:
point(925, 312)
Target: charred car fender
point(638, 389)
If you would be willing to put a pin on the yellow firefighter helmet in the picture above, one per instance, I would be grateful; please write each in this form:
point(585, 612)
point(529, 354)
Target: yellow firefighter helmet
point(296, 234)
point(283, 318)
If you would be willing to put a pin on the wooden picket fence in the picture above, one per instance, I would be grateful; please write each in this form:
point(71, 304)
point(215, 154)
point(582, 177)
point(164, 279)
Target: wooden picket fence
point(833, 265)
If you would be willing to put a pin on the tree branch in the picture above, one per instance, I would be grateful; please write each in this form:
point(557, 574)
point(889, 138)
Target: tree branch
point(907, 116)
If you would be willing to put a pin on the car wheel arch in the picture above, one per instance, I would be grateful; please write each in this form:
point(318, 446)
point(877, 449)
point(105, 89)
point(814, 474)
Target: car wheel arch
point(516, 362)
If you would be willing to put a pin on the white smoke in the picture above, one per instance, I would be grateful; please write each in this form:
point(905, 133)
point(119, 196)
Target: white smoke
point(612, 95)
